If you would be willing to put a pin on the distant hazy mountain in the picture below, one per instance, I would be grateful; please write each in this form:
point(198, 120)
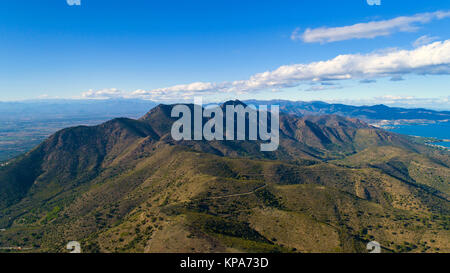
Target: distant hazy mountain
point(25, 124)
point(73, 109)
point(333, 185)
point(367, 113)
point(63, 109)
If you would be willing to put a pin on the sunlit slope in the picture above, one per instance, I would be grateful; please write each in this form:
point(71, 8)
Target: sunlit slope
point(125, 186)
point(408, 166)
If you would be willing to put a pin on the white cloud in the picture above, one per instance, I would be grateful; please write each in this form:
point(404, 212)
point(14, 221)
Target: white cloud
point(395, 63)
point(430, 59)
point(295, 34)
point(73, 2)
point(424, 40)
point(103, 94)
point(368, 30)
point(182, 91)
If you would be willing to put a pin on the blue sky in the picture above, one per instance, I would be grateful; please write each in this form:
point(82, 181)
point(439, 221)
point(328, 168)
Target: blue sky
point(173, 50)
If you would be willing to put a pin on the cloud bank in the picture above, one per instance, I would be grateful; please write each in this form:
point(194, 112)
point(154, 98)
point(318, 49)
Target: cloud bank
point(368, 30)
point(429, 59)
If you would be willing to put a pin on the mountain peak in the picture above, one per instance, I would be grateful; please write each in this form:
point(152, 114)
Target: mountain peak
point(234, 103)
point(160, 109)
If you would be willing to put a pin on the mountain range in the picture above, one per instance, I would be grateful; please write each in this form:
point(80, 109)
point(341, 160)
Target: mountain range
point(334, 184)
point(25, 124)
point(373, 113)
point(59, 109)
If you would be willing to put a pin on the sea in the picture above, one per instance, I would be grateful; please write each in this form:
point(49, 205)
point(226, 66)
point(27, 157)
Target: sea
point(439, 130)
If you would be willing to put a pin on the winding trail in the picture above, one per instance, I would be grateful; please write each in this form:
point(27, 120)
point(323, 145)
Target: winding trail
point(238, 194)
